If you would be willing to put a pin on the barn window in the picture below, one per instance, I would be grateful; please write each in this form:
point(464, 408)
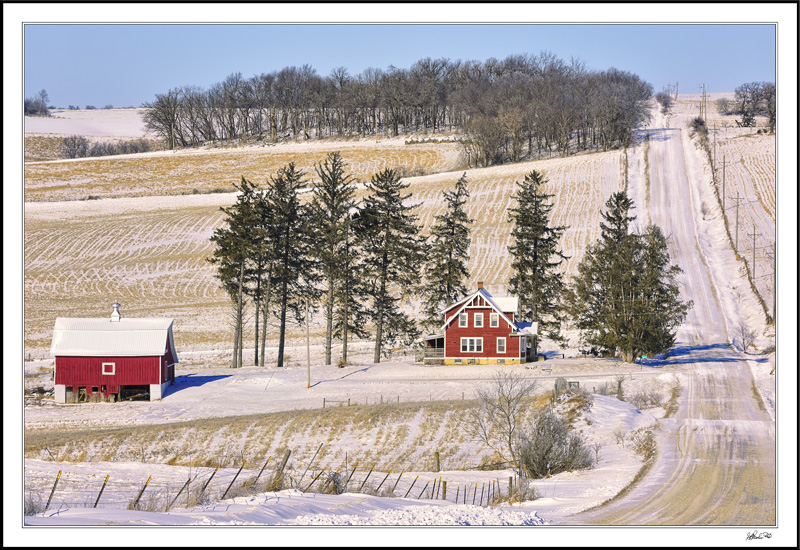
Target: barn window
point(522, 345)
point(494, 320)
point(501, 361)
point(501, 345)
point(457, 361)
point(108, 368)
point(479, 320)
point(462, 320)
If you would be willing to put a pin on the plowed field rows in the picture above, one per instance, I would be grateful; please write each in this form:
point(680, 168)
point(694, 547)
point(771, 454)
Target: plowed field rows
point(750, 172)
point(202, 171)
point(749, 155)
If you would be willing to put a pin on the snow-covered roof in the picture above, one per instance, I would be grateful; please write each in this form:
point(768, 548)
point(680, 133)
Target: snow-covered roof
point(508, 304)
point(104, 337)
point(528, 327)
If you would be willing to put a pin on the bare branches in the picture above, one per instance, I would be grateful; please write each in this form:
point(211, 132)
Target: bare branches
point(497, 418)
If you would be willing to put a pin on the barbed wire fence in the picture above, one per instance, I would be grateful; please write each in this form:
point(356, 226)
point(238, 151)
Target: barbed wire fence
point(48, 493)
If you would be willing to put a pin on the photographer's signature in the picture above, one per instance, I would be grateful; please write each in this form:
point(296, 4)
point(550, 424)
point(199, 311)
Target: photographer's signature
point(756, 535)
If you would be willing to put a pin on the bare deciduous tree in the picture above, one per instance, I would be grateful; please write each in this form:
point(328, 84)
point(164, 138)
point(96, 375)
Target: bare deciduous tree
point(746, 336)
point(497, 419)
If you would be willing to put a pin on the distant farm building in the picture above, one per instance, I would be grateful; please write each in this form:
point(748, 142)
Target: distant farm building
point(112, 359)
point(480, 329)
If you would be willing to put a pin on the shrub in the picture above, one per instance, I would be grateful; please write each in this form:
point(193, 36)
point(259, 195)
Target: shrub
point(665, 100)
point(549, 447)
point(645, 399)
point(74, 147)
point(523, 490)
point(699, 125)
point(33, 504)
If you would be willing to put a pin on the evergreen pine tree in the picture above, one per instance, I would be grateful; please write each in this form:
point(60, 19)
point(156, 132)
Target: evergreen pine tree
point(448, 255)
point(234, 243)
point(350, 313)
point(536, 258)
point(393, 255)
point(262, 258)
point(294, 272)
point(625, 298)
point(330, 210)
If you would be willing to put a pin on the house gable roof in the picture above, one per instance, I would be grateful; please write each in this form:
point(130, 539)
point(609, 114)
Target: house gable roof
point(509, 305)
point(103, 338)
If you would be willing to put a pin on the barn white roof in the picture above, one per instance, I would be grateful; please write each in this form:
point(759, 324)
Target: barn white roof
point(103, 337)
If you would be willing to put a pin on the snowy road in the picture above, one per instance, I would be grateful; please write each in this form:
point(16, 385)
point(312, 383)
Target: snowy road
point(716, 457)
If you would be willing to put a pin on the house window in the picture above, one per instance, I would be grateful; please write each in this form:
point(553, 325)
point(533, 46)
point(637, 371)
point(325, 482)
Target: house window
point(501, 345)
point(457, 361)
point(472, 345)
point(462, 320)
point(494, 320)
point(108, 368)
point(479, 320)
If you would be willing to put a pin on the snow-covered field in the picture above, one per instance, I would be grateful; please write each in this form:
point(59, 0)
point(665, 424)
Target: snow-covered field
point(148, 251)
point(110, 123)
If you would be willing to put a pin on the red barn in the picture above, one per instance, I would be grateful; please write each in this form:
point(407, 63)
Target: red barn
point(480, 329)
point(112, 359)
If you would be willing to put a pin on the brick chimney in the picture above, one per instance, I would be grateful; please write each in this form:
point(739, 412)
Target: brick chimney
point(480, 285)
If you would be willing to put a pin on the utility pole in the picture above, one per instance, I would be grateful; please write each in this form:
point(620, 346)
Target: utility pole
point(736, 246)
point(308, 348)
point(714, 168)
point(723, 186)
point(754, 252)
point(774, 288)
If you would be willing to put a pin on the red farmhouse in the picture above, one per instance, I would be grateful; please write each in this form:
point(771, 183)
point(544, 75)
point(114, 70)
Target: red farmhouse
point(480, 329)
point(112, 359)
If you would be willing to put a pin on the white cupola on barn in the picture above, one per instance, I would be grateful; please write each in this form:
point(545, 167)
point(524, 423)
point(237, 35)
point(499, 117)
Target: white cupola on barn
point(115, 312)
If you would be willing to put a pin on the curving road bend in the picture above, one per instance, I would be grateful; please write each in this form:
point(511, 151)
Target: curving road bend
point(716, 456)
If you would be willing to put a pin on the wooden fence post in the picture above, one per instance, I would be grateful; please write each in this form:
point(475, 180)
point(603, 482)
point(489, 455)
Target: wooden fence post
point(284, 461)
point(482, 488)
point(233, 480)
point(412, 485)
point(136, 502)
point(444, 490)
point(474, 494)
point(176, 496)
point(101, 493)
point(436, 462)
point(53, 490)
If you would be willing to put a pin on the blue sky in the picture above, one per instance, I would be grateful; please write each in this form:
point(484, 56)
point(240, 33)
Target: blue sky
point(124, 64)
